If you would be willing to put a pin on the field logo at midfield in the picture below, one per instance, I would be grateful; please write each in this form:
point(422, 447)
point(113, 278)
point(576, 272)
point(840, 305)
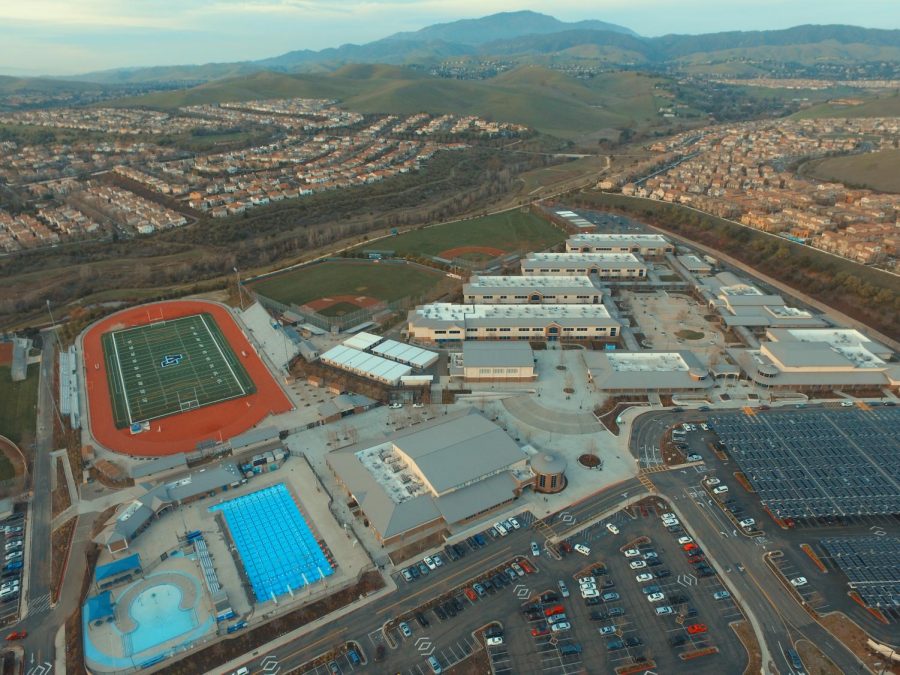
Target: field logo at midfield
point(171, 360)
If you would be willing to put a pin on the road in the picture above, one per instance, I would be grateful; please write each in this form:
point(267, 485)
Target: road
point(41, 629)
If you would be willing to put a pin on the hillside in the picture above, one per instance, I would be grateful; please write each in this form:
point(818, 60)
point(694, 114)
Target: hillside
point(546, 100)
point(528, 37)
point(874, 170)
point(882, 106)
point(504, 25)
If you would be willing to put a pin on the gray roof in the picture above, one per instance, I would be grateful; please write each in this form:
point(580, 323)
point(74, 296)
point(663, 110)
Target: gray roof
point(607, 377)
point(751, 361)
point(254, 436)
point(147, 468)
point(497, 354)
point(461, 450)
point(548, 463)
point(449, 451)
point(472, 499)
point(807, 354)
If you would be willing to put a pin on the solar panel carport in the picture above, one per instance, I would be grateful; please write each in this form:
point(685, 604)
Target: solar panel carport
point(818, 463)
point(870, 564)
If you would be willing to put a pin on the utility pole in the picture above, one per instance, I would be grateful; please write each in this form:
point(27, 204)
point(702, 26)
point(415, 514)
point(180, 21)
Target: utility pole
point(52, 320)
point(237, 278)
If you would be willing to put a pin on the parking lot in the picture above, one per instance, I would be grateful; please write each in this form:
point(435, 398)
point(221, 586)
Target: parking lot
point(871, 567)
point(818, 466)
point(13, 564)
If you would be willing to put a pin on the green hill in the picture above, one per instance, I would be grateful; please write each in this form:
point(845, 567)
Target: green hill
point(546, 100)
point(875, 170)
point(881, 106)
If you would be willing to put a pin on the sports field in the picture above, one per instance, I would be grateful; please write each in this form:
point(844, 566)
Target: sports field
point(170, 366)
point(348, 279)
point(510, 231)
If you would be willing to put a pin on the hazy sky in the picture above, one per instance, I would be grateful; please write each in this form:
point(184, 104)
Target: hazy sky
point(62, 37)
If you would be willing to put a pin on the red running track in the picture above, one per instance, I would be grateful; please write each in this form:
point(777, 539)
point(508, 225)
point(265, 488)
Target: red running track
point(180, 432)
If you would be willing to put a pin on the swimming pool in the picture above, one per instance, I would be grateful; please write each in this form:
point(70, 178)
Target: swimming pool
point(277, 548)
point(158, 617)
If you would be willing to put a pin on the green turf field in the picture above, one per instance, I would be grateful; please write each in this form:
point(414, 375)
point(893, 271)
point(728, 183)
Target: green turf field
point(17, 403)
point(170, 366)
point(512, 231)
point(384, 281)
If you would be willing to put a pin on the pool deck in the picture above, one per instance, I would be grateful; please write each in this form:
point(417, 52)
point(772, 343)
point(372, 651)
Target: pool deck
point(106, 646)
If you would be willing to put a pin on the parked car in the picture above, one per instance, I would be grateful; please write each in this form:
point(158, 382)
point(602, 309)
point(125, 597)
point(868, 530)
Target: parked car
point(610, 597)
point(696, 628)
point(405, 629)
point(637, 564)
point(535, 549)
point(643, 576)
point(517, 569)
point(429, 562)
point(494, 641)
point(656, 597)
point(685, 540)
point(437, 559)
point(721, 595)
point(662, 574)
point(608, 630)
point(798, 581)
point(588, 593)
point(612, 528)
point(722, 489)
point(664, 610)
point(631, 553)
point(561, 626)
point(582, 549)
point(407, 575)
point(514, 523)
point(563, 588)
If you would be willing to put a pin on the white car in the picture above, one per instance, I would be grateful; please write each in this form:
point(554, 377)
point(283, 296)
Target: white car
point(437, 560)
point(847, 404)
point(582, 549)
point(668, 516)
point(747, 523)
point(502, 530)
point(608, 630)
point(535, 550)
point(721, 490)
point(643, 576)
point(712, 481)
point(395, 406)
point(561, 626)
point(518, 569)
point(704, 426)
point(587, 580)
point(798, 581)
point(684, 540)
point(686, 426)
point(428, 561)
point(494, 641)
point(590, 593)
point(669, 522)
point(656, 597)
point(637, 564)
point(418, 405)
point(662, 611)
point(631, 552)
point(514, 523)
point(721, 595)
point(612, 528)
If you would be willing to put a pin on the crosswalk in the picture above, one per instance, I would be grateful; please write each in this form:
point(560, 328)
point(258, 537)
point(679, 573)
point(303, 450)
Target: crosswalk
point(40, 669)
point(39, 605)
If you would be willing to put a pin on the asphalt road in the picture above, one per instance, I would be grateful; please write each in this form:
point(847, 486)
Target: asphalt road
point(39, 651)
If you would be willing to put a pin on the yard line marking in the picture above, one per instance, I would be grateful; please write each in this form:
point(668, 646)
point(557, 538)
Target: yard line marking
point(216, 343)
point(122, 378)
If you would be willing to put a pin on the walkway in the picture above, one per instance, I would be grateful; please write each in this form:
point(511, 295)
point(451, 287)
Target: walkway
point(529, 411)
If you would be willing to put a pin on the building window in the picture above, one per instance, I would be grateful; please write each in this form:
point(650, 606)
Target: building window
point(542, 481)
point(553, 481)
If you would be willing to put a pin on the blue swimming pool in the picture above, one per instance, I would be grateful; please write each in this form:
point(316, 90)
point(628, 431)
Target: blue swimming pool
point(278, 550)
point(158, 617)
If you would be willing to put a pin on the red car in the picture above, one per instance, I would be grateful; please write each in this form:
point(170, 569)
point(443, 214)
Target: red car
point(471, 595)
point(526, 567)
point(566, 546)
point(695, 559)
point(17, 635)
point(689, 546)
point(540, 631)
point(696, 628)
point(557, 609)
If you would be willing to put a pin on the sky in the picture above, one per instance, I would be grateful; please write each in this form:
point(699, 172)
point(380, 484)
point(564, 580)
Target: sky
point(65, 37)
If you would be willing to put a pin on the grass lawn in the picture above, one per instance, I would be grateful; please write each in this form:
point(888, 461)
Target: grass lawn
point(339, 309)
point(511, 231)
point(378, 280)
point(874, 170)
point(18, 401)
point(687, 334)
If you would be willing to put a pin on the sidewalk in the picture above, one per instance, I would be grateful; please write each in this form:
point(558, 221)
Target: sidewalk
point(288, 638)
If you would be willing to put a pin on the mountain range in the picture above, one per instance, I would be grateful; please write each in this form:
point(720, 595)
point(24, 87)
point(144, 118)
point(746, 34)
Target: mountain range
point(529, 37)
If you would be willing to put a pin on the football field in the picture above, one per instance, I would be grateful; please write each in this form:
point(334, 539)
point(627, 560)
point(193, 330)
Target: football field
point(167, 367)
